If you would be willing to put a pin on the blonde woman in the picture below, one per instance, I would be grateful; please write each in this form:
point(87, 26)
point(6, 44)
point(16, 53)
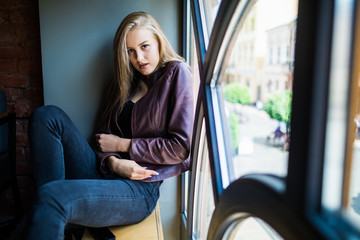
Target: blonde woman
point(144, 137)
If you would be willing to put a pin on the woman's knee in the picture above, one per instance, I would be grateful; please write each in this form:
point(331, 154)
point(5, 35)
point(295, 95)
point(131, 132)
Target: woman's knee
point(50, 117)
point(45, 112)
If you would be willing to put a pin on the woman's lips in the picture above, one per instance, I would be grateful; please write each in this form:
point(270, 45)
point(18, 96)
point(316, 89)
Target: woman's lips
point(142, 66)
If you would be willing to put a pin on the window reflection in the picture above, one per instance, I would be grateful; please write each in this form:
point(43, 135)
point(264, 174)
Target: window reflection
point(341, 186)
point(209, 9)
point(351, 193)
point(192, 60)
point(336, 117)
point(352, 197)
point(204, 196)
point(251, 228)
point(257, 88)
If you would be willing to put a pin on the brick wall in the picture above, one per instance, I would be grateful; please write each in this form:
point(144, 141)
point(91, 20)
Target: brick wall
point(21, 77)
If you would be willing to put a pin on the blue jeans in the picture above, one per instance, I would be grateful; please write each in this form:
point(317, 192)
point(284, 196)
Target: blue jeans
point(70, 188)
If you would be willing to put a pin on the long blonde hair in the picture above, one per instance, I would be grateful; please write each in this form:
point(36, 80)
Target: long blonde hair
point(123, 72)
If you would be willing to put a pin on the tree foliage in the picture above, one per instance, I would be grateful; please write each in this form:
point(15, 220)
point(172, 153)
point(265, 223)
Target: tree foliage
point(278, 106)
point(236, 93)
point(234, 134)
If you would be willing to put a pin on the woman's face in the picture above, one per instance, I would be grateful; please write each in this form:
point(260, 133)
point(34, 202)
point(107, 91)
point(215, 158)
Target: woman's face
point(143, 50)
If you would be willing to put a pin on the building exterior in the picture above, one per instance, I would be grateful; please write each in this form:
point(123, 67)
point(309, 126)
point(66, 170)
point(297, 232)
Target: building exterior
point(262, 56)
point(279, 63)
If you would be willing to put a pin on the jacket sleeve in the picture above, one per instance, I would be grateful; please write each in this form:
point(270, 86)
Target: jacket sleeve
point(174, 147)
point(101, 156)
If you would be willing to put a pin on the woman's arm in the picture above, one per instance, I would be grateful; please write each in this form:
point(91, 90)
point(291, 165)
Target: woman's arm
point(101, 155)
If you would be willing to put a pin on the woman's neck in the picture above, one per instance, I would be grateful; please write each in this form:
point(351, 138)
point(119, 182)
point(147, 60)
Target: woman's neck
point(141, 90)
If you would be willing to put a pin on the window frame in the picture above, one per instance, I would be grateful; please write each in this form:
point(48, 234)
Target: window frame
point(302, 187)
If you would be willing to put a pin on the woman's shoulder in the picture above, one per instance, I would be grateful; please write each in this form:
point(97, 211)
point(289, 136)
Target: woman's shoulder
point(172, 70)
point(178, 72)
point(177, 65)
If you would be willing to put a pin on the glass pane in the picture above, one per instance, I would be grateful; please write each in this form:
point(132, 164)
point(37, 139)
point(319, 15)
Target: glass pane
point(251, 228)
point(193, 62)
point(204, 198)
point(257, 88)
point(209, 10)
point(341, 190)
point(191, 59)
point(336, 125)
point(352, 171)
point(186, 190)
point(351, 184)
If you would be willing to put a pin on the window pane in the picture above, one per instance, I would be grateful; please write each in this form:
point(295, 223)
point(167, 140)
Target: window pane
point(351, 191)
point(191, 59)
point(341, 191)
point(193, 62)
point(185, 202)
point(257, 88)
point(336, 125)
point(209, 9)
point(352, 172)
point(204, 198)
point(252, 229)
point(342, 150)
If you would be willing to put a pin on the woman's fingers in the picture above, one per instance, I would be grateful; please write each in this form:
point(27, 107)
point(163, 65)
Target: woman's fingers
point(130, 169)
point(141, 173)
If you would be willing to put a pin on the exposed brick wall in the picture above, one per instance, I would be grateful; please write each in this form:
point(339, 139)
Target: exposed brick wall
point(21, 77)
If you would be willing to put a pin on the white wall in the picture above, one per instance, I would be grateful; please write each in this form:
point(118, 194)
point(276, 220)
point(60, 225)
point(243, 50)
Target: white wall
point(76, 45)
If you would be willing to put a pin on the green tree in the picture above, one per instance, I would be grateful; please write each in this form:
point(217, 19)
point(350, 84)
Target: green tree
point(278, 106)
point(234, 128)
point(236, 93)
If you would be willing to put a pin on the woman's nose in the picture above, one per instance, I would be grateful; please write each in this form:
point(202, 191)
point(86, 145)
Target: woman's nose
point(139, 56)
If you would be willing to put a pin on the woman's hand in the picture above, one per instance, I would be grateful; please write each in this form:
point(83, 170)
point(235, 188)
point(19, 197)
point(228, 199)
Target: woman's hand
point(112, 143)
point(129, 168)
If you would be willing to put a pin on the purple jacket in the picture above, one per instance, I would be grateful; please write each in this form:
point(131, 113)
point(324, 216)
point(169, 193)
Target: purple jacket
point(162, 123)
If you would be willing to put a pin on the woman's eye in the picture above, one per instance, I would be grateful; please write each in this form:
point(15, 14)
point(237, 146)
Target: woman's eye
point(130, 51)
point(144, 46)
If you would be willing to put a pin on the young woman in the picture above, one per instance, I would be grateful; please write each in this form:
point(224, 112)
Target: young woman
point(144, 138)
